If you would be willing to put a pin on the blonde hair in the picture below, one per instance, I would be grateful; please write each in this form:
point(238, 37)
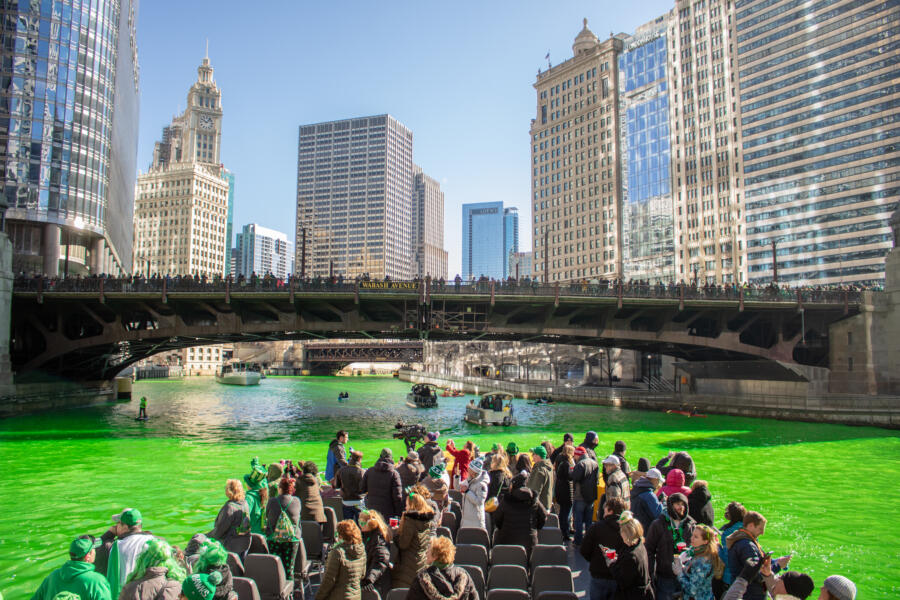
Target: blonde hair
point(711, 554)
point(500, 462)
point(349, 532)
point(630, 528)
point(234, 490)
point(442, 550)
point(373, 516)
point(568, 450)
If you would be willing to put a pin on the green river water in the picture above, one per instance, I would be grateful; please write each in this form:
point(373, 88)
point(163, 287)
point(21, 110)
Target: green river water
point(830, 492)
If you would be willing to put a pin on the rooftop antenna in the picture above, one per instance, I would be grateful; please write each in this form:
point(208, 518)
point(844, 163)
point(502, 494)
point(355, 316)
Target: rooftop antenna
point(207, 48)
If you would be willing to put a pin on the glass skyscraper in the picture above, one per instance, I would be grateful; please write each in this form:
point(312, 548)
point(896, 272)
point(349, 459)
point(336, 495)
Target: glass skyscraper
point(489, 234)
point(68, 133)
point(648, 241)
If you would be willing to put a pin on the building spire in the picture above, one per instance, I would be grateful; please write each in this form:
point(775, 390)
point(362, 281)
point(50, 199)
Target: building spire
point(207, 43)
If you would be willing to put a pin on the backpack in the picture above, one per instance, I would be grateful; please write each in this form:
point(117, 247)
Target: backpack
point(244, 527)
point(284, 528)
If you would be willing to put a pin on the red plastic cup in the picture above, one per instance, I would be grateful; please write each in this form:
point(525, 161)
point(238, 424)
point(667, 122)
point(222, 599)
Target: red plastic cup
point(611, 554)
point(395, 522)
point(681, 546)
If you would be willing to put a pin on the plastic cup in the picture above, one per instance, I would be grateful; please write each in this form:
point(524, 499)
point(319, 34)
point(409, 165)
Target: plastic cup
point(611, 554)
point(681, 546)
point(395, 522)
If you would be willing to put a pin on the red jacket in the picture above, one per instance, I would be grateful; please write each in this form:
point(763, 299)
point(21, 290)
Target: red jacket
point(461, 460)
point(674, 483)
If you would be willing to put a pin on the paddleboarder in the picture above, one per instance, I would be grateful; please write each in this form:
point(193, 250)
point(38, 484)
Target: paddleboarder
point(142, 412)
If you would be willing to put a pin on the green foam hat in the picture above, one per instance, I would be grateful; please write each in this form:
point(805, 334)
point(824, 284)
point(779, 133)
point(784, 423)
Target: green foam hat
point(63, 596)
point(512, 448)
point(82, 545)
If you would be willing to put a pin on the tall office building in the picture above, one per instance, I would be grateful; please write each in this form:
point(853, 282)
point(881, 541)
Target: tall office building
point(428, 227)
point(576, 177)
point(262, 251)
point(519, 265)
point(489, 234)
point(355, 193)
point(182, 207)
point(648, 237)
point(706, 168)
point(819, 113)
point(68, 134)
point(229, 221)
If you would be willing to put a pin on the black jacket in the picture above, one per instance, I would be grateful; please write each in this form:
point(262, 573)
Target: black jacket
point(632, 573)
point(378, 562)
point(659, 542)
point(584, 478)
point(591, 441)
point(384, 491)
point(498, 484)
point(440, 584)
point(700, 505)
point(562, 485)
point(518, 518)
point(623, 464)
point(430, 454)
point(680, 460)
point(604, 532)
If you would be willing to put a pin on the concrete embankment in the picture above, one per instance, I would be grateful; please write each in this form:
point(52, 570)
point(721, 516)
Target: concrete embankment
point(877, 411)
point(25, 398)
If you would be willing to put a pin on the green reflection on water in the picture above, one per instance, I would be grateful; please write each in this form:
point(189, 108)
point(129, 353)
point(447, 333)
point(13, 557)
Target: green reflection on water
point(829, 492)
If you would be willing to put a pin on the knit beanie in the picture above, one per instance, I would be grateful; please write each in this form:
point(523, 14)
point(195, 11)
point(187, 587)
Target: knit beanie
point(386, 454)
point(436, 471)
point(433, 436)
point(840, 587)
point(799, 585)
point(512, 448)
point(476, 466)
point(643, 465)
point(201, 586)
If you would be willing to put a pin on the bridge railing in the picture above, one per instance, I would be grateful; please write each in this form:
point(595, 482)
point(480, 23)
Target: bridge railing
point(614, 289)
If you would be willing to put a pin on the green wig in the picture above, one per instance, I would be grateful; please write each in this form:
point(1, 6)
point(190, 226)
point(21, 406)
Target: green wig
point(211, 554)
point(157, 553)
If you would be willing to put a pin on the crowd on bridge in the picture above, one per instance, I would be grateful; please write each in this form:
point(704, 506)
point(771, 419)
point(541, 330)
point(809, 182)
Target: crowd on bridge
point(647, 532)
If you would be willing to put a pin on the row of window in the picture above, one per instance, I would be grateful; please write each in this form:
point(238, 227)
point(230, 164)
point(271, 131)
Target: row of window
point(823, 150)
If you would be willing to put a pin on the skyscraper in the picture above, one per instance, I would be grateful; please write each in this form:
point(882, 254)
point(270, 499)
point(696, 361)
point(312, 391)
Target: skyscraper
point(428, 236)
point(818, 97)
point(261, 251)
point(355, 186)
point(182, 208)
point(489, 234)
point(576, 176)
point(706, 168)
point(69, 124)
point(648, 241)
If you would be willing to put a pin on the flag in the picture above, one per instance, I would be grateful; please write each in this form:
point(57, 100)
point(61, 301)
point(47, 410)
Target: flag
point(547, 57)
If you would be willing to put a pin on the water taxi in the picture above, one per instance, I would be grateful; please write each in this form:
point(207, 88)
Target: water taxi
point(422, 395)
point(237, 374)
point(495, 408)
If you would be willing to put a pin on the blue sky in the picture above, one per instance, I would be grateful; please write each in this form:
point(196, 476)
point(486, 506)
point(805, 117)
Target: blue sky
point(458, 74)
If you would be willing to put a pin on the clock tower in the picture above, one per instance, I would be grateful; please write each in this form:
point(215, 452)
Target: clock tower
point(203, 119)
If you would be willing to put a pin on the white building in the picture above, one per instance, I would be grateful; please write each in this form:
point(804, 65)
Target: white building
point(431, 257)
point(261, 251)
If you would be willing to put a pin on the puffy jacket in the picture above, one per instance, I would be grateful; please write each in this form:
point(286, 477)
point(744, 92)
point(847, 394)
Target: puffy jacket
point(416, 531)
point(349, 481)
point(77, 577)
point(518, 518)
point(344, 570)
point(378, 562)
point(473, 501)
point(659, 542)
point(229, 529)
point(742, 547)
point(311, 506)
point(604, 532)
point(337, 458)
point(700, 505)
point(410, 472)
point(448, 583)
point(152, 586)
point(727, 530)
point(430, 454)
point(632, 573)
point(644, 504)
point(562, 484)
point(383, 489)
point(584, 479)
point(540, 481)
point(225, 589)
point(674, 484)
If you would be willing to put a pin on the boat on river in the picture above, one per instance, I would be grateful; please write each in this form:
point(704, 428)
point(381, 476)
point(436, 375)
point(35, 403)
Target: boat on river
point(494, 408)
point(422, 395)
point(238, 374)
point(451, 393)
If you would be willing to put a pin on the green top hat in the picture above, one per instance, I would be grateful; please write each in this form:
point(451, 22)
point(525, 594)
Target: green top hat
point(256, 478)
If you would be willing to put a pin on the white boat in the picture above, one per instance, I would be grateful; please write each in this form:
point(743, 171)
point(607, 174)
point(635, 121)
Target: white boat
point(237, 374)
point(495, 408)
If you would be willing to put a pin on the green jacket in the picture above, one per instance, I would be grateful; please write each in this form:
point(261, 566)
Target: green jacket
point(77, 577)
point(541, 483)
point(256, 512)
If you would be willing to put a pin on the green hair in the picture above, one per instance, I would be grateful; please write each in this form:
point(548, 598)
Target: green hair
point(211, 554)
point(62, 596)
point(157, 553)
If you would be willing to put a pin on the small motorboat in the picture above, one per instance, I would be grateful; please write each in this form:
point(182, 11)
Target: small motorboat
point(542, 400)
point(448, 393)
point(422, 395)
point(495, 408)
point(686, 413)
point(237, 374)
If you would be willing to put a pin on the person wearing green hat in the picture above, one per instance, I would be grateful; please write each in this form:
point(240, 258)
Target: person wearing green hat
point(130, 542)
point(200, 586)
point(437, 482)
point(257, 495)
point(156, 576)
point(540, 480)
point(512, 449)
point(77, 575)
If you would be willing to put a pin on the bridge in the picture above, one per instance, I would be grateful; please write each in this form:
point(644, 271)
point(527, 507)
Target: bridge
point(336, 355)
point(90, 329)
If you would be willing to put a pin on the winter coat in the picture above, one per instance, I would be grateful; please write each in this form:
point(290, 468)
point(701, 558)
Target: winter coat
point(101, 559)
point(410, 473)
point(604, 532)
point(291, 506)
point(741, 547)
point(680, 460)
point(344, 569)
point(696, 580)
point(645, 506)
point(617, 487)
point(584, 479)
point(448, 583)
point(256, 511)
point(413, 539)
point(311, 505)
point(540, 481)
point(439, 491)
point(562, 484)
point(518, 518)
point(74, 576)
point(623, 464)
point(383, 489)
point(674, 484)
point(349, 481)
point(660, 543)
point(230, 526)
point(727, 530)
point(473, 502)
point(225, 589)
point(461, 460)
point(337, 458)
point(498, 483)
point(430, 454)
point(152, 586)
point(632, 573)
point(590, 442)
point(700, 505)
point(378, 562)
